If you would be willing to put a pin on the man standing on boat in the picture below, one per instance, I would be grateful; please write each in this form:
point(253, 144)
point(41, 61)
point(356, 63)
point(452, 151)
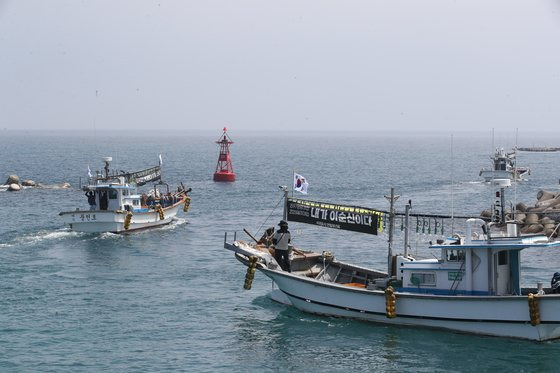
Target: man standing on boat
point(91, 199)
point(281, 239)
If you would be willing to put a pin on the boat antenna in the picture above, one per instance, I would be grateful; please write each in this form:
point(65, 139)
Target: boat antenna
point(95, 122)
point(160, 170)
point(452, 187)
point(513, 212)
point(492, 151)
point(392, 198)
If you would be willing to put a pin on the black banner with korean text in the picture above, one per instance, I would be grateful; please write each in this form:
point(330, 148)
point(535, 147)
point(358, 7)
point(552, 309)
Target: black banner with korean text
point(350, 218)
point(145, 176)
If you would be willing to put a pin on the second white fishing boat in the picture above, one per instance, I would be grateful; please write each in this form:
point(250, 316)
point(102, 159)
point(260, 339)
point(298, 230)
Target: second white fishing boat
point(474, 287)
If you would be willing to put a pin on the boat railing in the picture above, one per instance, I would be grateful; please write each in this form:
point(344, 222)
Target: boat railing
point(226, 237)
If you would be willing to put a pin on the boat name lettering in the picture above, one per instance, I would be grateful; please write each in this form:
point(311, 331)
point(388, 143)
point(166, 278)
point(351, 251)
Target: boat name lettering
point(87, 217)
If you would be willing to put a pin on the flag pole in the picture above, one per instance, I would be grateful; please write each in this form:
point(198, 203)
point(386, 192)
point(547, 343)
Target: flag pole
point(285, 212)
point(293, 178)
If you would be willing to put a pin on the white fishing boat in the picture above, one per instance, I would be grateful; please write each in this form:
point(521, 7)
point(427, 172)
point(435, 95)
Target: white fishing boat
point(473, 287)
point(504, 167)
point(116, 206)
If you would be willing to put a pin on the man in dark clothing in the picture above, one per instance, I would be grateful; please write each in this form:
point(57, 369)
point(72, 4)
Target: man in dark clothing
point(281, 239)
point(91, 199)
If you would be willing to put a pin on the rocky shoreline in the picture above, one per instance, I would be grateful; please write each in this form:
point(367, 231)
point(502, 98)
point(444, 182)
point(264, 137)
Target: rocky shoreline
point(14, 184)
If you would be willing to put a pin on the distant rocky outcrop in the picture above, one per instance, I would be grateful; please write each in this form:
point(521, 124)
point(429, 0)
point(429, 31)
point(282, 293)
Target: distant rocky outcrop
point(543, 217)
point(13, 184)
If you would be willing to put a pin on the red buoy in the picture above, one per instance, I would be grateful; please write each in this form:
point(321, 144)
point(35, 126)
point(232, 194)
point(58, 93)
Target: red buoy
point(224, 169)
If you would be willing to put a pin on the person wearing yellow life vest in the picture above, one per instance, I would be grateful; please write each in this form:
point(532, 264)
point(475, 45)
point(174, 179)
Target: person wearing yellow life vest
point(280, 240)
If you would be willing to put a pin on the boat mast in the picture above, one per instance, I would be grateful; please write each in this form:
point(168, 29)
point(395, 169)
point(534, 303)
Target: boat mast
point(392, 200)
point(406, 225)
point(452, 186)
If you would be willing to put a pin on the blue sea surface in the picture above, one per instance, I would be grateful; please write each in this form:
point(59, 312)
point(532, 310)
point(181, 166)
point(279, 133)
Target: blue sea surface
point(172, 299)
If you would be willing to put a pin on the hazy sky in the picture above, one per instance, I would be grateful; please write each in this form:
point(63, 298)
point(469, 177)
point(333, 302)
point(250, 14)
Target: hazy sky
point(270, 65)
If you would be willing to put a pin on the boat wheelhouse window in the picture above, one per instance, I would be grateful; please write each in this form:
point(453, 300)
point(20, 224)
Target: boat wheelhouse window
point(423, 279)
point(135, 202)
point(502, 258)
point(125, 192)
point(455, 255)
point(112, 194)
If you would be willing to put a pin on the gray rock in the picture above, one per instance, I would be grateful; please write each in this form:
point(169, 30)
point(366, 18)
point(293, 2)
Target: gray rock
point(520, 217)
point(544, 195)
point(12, 179)
point(546, 220)
point(14, 187)
point(548, 203)
point(549, 226)
point(521, 207)
point(486, 214)
point(533, 228)
point(29, 183)
point(531, 219)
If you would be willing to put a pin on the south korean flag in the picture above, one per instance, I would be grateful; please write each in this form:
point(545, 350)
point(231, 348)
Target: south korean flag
point(300, 184)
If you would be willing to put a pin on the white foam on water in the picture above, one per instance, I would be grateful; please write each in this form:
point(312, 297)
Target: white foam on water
point(471, 182)
point(53, 186)
point(175, 223)
point(106, 236)
point(178, 221)
point(41, 236)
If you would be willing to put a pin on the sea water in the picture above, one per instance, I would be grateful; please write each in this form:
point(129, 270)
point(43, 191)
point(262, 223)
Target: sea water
point(173, 299)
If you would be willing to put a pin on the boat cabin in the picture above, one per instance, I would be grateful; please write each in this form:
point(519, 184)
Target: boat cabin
point(476, 264)
point(501, 163)
point(115, 194)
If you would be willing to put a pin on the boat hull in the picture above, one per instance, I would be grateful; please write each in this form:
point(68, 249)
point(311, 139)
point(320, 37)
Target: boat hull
point(490, 175)
point(504, 316)
point(99, 221)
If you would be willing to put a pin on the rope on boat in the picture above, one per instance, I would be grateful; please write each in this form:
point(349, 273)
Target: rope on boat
point(127, 220)
point(534, 310)
point(269, 215)
point(160, 212)
point(252, 268)
point(390, 303)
